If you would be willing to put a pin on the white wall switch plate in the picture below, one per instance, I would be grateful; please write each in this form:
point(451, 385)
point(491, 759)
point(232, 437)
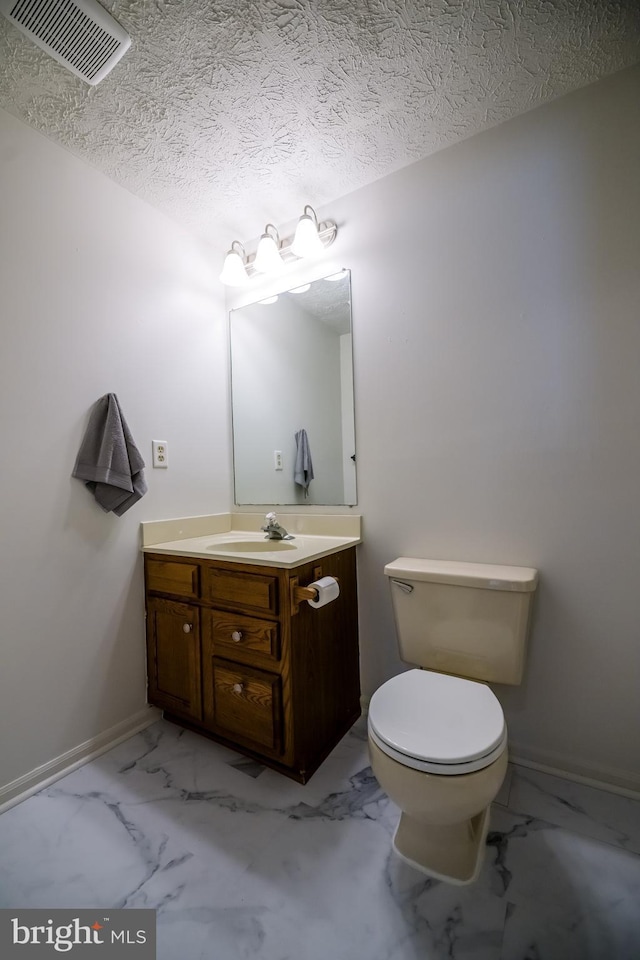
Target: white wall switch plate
point(160, 453)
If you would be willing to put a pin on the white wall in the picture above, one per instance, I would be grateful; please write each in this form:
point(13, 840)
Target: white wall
point(496, 311)
point(99, 293)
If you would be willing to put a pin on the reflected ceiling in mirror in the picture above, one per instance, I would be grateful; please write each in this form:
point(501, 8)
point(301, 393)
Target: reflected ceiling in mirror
point(292, 396)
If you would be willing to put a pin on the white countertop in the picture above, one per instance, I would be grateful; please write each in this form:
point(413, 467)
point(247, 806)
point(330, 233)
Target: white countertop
point(242, 546)
point(237, 537)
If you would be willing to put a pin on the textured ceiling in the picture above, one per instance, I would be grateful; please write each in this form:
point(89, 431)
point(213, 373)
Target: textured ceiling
point(328, 301)
point(227, 114)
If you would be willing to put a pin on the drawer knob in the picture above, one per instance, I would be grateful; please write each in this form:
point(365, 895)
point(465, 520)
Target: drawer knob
point(236, 636)
point(238, 687)
point(187, 627)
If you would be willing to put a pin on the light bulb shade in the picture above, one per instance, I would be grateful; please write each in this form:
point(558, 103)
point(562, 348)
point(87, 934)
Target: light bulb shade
point(307, 242)
point(268, 259)
point(340, 275)
point(234, 273)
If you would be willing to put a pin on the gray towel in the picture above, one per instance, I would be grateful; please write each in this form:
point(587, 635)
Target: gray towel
point(108, 460)
point(303, 470)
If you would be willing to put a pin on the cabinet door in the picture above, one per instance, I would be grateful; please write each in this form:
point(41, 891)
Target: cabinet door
point(173, 657)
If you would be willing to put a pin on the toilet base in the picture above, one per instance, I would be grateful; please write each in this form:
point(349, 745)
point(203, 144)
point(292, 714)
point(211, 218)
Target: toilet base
point(453, 853)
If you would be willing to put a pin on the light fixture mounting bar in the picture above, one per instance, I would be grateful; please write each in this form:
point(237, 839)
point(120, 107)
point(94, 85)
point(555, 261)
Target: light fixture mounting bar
point(273, 253)
point(327, 232)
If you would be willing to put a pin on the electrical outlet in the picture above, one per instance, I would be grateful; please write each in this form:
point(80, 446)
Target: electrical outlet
point(277, 459)
point(160, 453)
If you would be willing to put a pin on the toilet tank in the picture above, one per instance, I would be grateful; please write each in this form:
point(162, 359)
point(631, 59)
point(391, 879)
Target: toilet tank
point(468, 619)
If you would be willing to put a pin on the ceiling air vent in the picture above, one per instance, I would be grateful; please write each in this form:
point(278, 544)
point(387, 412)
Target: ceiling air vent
point(79, 34)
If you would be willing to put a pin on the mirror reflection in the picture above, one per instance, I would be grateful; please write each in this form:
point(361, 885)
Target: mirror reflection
point(292, 396)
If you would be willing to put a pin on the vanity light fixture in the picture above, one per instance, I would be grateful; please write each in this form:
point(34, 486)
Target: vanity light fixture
point(273, 254)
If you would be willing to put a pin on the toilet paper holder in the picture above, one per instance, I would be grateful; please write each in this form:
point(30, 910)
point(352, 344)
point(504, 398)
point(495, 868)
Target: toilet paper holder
point(300, 594)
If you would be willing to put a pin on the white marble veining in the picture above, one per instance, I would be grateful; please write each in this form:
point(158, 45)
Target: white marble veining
point(240, 862)
point(580, 808)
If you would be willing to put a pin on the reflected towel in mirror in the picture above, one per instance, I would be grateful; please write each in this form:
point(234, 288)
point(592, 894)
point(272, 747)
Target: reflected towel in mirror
point(303, 470)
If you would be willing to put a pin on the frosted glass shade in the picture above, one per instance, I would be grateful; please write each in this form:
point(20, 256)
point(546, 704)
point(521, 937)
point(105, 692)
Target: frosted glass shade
point(268, 259)
point(340, 275)
point(306, 242)
point(234, 273)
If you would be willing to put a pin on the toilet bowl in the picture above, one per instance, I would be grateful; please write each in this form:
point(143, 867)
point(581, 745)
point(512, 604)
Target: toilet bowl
point(437, 734)
point(438, 748)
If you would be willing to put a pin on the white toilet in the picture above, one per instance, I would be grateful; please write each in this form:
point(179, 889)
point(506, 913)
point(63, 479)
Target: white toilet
point(437, 735)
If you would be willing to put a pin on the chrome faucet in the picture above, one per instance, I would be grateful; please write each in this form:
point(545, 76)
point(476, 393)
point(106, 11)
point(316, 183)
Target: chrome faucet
point(273, 529)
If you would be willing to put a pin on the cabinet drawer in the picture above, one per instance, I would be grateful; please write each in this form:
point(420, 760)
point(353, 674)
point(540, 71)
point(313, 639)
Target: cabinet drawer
point(244, 590)
point(168, 576)
point(240, 637)
point(248, 704)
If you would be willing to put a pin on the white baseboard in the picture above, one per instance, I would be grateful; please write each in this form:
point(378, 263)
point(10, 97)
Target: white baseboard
point(622, 782)
point(46, 774)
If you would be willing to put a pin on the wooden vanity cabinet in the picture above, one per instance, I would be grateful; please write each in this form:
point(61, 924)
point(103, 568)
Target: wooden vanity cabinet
point(231, 655)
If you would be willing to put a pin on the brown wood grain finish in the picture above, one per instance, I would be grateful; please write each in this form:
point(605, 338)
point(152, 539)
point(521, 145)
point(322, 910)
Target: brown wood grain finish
point(248, 703)
point(169, 576)
point(173, 655)
point(276, 680)
point(241, 590)
point(325, 661)
point(239, 637)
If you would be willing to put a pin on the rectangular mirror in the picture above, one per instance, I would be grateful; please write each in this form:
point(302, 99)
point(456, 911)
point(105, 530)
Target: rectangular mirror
point(292, 396)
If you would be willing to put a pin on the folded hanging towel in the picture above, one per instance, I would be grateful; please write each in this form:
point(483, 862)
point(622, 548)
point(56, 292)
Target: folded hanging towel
point(303, 470)
point(108, 460)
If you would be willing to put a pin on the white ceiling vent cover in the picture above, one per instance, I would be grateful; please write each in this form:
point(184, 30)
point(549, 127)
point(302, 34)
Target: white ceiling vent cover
point(79, 34)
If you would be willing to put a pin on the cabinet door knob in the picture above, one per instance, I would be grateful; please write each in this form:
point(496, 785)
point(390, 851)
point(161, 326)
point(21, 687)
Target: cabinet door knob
point(187, 627)
point(238, 687)
point(236, 636)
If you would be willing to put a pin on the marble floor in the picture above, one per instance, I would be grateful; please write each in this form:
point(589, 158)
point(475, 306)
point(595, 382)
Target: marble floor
point(240, 862)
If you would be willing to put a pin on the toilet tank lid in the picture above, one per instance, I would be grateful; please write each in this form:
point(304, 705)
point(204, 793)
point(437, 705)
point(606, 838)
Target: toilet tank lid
point(486, 576)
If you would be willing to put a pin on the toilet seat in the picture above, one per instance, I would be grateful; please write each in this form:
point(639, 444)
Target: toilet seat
point(437, 723)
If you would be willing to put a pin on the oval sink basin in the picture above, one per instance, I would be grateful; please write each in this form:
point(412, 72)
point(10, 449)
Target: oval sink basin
point(251, 546)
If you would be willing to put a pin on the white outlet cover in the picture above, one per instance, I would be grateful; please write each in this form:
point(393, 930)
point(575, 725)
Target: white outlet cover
point(160, 451)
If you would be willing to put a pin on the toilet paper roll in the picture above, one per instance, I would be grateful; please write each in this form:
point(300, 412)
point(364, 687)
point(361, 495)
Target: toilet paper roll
point(328, 590)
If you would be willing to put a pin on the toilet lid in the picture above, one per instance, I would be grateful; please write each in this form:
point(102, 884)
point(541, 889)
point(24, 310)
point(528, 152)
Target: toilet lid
point(435, 719)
